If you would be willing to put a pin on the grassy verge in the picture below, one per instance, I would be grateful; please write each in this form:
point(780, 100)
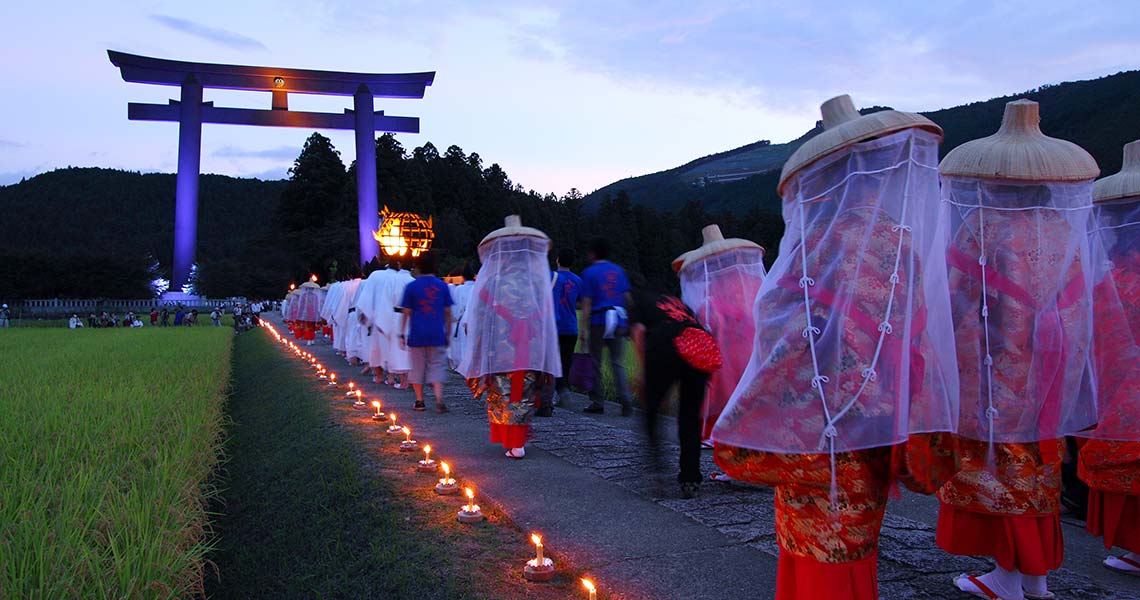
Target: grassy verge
point(310, 510)
point(105, 442)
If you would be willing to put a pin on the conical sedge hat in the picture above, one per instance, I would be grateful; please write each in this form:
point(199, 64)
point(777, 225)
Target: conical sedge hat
point(1019, 151)
point(714, 243)
point(844, 126)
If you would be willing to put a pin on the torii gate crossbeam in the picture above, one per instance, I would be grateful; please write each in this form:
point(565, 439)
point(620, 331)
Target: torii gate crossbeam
point(190, 113)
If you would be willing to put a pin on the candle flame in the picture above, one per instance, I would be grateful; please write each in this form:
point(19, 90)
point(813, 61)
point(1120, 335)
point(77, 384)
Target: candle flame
point(470, 493)
point(351, 385)
point(393, 417)
point(376, 403)
point(427, 449)
point(406, 430)
point(358, 393)
point(589, 585)
point(446, 469)
point(536, 539)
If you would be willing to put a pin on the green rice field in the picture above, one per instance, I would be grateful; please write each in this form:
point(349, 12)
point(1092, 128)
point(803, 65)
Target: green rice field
point(109, 438)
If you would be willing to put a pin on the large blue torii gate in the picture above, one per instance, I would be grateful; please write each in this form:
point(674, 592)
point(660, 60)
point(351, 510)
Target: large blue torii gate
point(190, 113)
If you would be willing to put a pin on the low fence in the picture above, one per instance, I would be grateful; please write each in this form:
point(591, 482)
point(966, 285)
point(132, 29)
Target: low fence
point(54, 308)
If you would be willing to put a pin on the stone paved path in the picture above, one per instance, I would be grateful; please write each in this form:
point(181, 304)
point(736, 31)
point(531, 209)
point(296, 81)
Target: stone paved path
point(587, 486)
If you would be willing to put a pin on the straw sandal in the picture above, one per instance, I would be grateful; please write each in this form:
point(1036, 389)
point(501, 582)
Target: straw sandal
point(1031, 596)
point(983, 590)
point(1123, 564)
point(516, 453)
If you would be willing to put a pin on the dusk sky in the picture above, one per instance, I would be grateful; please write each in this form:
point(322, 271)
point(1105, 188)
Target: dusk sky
point(561, 94)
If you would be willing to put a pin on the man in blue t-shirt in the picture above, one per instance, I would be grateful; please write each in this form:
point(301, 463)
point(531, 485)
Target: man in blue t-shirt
point(567, 287)
point(427, 305)
point(606, 294)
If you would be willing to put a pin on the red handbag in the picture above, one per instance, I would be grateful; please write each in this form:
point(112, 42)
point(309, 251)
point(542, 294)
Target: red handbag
point(698, 348)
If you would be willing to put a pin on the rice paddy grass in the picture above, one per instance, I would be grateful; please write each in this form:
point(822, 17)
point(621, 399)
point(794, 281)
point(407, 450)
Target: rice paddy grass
point(109, 438)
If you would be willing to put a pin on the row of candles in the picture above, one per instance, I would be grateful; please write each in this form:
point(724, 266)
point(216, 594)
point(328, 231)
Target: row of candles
point(539, 568)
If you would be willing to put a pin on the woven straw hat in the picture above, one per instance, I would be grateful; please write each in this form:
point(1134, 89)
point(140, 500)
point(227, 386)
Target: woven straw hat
point(1126, 183)
point(513, 227)
point(1019, 151)
point(844, 126)
point(714, 244)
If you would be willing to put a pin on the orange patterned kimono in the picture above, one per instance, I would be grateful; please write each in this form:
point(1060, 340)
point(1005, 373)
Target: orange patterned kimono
point(1111, 468)
point(1011, 510)
point(824, 553)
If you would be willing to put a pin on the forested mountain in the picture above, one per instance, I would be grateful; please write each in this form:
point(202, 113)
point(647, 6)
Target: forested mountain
point(99, 232)
point(1101, 115)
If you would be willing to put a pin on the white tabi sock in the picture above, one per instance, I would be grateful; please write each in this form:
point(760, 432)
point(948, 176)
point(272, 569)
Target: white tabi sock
point(1006, 584)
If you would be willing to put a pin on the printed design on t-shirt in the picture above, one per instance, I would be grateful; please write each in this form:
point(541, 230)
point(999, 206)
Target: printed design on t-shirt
point(675, 310)
point(429, 299)
point(610, 286)
point(567, 289)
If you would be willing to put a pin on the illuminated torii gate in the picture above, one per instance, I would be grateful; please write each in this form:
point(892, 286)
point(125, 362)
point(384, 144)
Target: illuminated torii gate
point(190, 113)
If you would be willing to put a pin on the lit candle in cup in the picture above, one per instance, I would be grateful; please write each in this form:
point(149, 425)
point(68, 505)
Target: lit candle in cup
point(393, 428)
point(446, 485)
point(379, 416)
point(351, 389)
point(332, 379)
point(589, 585)
point(470, 513)
point(408, 444)
point(541, 568)
point(359, 401)
point(427, 464)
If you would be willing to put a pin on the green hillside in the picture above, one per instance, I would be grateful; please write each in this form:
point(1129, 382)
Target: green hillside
point(1101, 115)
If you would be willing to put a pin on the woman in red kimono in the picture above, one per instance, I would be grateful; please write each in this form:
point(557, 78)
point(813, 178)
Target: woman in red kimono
point(719, 282)
point(511, 354)
point(853, 350)
point(1109, 461)
point(1020, 283)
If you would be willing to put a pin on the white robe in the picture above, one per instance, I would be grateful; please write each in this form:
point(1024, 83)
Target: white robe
point(391, 294)
point(332, 297)
point(356, 340)
point(340, 314)
point(369, 308)
point(460, 295)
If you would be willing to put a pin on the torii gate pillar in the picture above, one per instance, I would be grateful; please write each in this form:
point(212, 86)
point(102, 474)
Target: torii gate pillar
point(186, 188)
point(368, 216)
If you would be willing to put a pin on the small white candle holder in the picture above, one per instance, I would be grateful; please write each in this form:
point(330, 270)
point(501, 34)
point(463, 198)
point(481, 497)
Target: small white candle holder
point(379, 414)
point(470, 512)
point(538, 573)
point(394, 429)
point(467, 517)
point(447, 487)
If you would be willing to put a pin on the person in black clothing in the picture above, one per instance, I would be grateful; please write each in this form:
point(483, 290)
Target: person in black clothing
point(656, 321)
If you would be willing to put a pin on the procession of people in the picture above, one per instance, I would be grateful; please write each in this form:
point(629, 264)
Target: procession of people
point(946, 326)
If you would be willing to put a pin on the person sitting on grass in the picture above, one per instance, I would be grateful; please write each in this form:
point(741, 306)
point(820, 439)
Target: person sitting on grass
point(427, 306)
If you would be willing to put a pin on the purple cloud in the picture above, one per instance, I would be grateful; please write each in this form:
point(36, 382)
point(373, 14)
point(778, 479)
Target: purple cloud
point(216, 35)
